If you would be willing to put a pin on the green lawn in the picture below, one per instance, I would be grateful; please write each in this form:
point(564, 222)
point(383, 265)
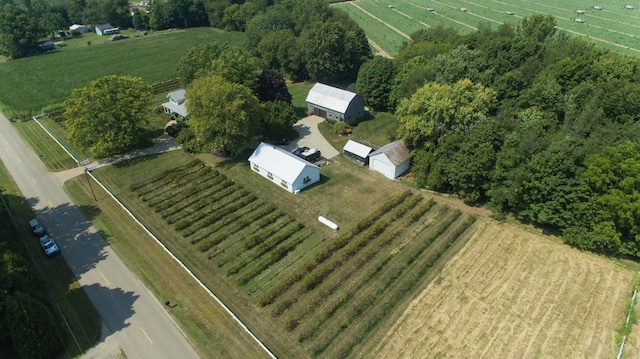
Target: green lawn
point(30, 84)
point(77, 321)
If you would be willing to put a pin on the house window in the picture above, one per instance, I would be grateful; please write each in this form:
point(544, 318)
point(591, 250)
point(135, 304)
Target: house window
point(306, 180)
point(269, 175)
point(284, 184)
point(256, 168)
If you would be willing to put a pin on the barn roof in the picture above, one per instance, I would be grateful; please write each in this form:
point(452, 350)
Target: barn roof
point(396, 152)
point(330, 97)
point(281, 163)
point(357, 149)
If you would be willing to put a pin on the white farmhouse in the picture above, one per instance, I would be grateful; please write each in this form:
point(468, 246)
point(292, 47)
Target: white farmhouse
point(283, 168)
point(391, 160)
point(175, 106)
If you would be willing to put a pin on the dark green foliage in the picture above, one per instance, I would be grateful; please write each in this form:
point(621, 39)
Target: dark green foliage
point(374, 82)
point(565, 110)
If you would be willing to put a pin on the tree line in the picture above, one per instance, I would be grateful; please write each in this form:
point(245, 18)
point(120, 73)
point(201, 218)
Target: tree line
point(26, 328)
point(526, 120)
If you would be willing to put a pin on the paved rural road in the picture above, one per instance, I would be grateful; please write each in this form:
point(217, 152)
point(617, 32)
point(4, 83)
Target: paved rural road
point(136, 320)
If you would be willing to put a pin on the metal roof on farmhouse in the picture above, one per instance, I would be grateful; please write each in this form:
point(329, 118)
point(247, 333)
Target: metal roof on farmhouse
point(357, 149)
point(103, 27)
point(177, 95)
point(281, 163)
point(330, 97)
point(397, 152)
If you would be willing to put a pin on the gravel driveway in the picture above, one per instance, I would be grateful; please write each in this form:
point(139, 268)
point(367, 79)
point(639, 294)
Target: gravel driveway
point(311, 137)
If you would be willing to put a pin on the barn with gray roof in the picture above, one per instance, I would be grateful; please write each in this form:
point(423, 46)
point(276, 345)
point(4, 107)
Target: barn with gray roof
point(334, 104)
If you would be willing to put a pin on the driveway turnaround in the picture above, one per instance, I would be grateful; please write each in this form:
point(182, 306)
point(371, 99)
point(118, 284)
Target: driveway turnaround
point(136, 320)
point(311, 137)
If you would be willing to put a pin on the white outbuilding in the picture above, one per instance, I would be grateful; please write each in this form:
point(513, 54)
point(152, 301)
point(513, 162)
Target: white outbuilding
point(334, 104)
point(283, 168)
point(391, 160)
point(176, 106)
point(79, 28)
point(357, 152)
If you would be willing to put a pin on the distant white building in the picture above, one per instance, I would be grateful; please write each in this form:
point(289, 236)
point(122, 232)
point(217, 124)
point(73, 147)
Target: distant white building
point(106, 29)
point(285, 169)
point(79, 28)
point(334, 104)
point(391, 160)
point(175, 106)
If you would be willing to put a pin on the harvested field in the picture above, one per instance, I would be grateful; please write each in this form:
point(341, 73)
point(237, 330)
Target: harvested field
point(513, 294)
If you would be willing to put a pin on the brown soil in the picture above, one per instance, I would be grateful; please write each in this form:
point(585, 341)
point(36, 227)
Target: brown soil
point(515, 294)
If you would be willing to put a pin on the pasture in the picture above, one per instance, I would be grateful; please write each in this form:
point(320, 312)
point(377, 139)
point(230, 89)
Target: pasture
point(389, 23)
point(30, 84)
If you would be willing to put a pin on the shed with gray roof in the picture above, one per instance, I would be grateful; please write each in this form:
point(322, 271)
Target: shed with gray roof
point(357, 152)
point(391, 160)
point(283, 168)
point(334, 104)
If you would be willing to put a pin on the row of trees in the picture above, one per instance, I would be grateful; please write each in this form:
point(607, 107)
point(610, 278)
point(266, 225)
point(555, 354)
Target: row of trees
point(26, 328)
point(528, 120)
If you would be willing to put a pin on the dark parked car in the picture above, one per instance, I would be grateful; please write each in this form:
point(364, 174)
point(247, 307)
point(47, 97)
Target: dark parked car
point(36, 227)
point(299, 150)
point(280, 142)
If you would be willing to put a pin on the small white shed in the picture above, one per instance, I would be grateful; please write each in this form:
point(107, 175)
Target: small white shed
point(283, 168)
point(391, 160)
point(357, 152)
point(79, 28)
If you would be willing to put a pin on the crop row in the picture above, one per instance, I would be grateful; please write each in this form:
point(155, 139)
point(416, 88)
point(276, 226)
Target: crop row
point(404, 281)
point(174, 186)
point(274, 292)
point(358, 271)
point(234, 248)
point(369, 263)
point(166, 176)
point(212, 214)
point(172, 196)
point(363, 306)
point(195, 202)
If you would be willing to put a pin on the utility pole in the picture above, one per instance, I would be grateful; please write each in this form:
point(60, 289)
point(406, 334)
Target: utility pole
point(86, 172)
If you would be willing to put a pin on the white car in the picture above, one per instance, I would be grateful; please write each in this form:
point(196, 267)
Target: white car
point(36, 227)
point(48, 245)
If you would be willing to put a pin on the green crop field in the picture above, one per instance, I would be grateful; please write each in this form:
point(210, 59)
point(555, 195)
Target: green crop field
point(613, 27)
point(30, 84)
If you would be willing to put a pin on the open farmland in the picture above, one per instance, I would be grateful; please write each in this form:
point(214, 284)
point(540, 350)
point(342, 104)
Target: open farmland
point(414, 275)
point(613, 27)
point(31, 83)
point(513, 294)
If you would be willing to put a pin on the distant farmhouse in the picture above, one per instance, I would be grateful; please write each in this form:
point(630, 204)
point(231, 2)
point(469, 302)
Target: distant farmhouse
point(288, 171)
point(357, 152)
point(391, 160)
point(79, 28)
point(106, 29)
point(334, 104)
point(175, 106)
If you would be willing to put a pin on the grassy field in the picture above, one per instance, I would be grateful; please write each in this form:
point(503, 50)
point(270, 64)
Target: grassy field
point(32, 83)
point(79, 323)
point(613, 27)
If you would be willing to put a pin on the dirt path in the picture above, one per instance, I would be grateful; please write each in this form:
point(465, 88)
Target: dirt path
point(379, 49)
point(382, 21)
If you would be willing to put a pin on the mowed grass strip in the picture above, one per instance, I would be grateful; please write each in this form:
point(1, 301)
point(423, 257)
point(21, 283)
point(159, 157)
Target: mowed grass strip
point(52, 155)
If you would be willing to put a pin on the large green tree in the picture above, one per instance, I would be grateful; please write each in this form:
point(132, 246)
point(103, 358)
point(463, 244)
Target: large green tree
point(236, 65)
point(436, 110)
point(375, 80)
point(224, 115)
point(19, 31)
point(197, 62)
point(108, 116)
